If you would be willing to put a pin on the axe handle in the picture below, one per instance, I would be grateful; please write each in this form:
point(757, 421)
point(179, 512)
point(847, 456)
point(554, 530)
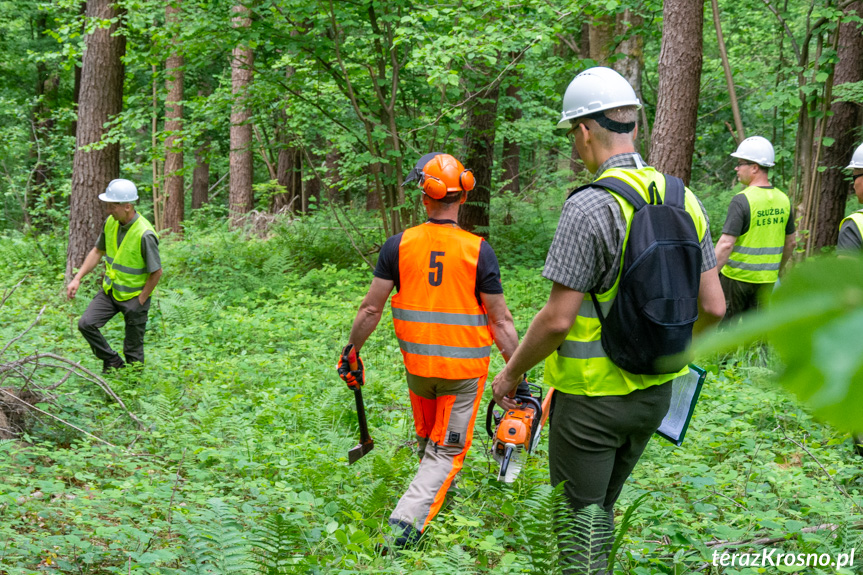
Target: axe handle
point(361, 416)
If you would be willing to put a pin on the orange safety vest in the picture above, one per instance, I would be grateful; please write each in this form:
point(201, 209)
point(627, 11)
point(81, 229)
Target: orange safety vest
point(441, 327)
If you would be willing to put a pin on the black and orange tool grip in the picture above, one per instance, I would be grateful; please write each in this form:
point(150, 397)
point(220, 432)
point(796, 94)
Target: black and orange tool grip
point(352, 357)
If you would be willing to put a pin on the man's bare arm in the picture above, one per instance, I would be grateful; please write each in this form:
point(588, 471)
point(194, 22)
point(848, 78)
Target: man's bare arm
point(500, 323)
point(370, 311)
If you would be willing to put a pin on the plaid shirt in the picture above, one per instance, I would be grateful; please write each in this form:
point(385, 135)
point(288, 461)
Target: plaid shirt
point(588, 244)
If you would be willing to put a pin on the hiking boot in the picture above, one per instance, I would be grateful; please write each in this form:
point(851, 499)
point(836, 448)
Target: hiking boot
point(115, 362)
point(404, 535)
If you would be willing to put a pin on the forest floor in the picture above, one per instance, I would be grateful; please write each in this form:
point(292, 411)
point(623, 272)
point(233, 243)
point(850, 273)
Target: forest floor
point(241, 464)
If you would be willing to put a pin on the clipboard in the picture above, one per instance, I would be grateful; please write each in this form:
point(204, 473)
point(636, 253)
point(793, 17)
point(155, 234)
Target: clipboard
point(684, 395)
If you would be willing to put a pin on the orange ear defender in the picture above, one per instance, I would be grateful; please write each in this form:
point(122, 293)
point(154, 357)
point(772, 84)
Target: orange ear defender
point(466, 180)
point(433, 187)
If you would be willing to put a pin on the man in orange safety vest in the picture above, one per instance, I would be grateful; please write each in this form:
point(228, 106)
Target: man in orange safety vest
point(448, 309)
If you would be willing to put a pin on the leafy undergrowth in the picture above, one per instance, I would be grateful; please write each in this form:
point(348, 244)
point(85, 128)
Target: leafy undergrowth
point(242, 467)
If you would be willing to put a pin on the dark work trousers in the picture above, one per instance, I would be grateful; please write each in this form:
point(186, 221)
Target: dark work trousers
point(741, 296)
point(100, 311)
point(593, 445)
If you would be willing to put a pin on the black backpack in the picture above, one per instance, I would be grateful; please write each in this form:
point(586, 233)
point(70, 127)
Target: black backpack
point(657, 298)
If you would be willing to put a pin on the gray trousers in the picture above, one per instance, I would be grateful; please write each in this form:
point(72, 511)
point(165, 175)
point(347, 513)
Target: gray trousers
point(100, 311)
point(594, 444)
point(444, 412)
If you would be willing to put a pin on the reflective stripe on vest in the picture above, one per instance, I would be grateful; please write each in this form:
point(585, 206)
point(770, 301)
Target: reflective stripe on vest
point(441, 327)
point(580, 365)
point(757, 254)
point(125, 268)
point(857, 219)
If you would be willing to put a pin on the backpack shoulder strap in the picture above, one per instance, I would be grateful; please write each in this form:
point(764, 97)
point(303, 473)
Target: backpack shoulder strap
point(621, 188)
point(675, 192)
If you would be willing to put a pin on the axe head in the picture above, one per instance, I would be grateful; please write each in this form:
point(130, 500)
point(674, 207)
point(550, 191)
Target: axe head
point(361, 449)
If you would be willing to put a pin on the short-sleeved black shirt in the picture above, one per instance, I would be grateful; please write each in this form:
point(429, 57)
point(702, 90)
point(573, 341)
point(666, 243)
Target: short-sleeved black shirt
point(849, 237)
point(487, 268)
point(739, 214)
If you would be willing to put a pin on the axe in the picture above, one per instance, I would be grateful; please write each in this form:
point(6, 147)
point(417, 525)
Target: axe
point(366, 443)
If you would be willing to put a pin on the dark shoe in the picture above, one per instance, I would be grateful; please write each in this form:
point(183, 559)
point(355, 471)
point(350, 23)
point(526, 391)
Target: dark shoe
point(115, 362)
point(858, 444)
point(404, 534)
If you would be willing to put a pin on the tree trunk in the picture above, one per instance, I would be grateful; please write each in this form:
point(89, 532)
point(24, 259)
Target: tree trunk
point(289, 173)
point(312, 186)
point(680, 60)
point(174, 185)
point(479, 143)
point(601, 38)
point(842, 128)
point(241, 199)
point(632, 64)
point(101, 99)
point(511, 148)
point(331, 164)
point(574, 160)
point(201, 176)
point(729, 77)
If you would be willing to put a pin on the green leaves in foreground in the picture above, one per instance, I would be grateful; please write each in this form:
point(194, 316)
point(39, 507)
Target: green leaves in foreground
point(815, 323)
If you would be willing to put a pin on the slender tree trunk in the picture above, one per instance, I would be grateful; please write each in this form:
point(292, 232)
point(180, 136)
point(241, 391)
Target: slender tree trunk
point(241, 199)
point(289, 173)
point(574, 160)
point(76, 83)
point(479, 142)
point(201, 176)
point(631, 65)
point(842, 128)
point(312, 185)
point(174, 185)
point(680, 60)
point(331, 165)
point(511, 148)
point(729, 78)
point(101, 99)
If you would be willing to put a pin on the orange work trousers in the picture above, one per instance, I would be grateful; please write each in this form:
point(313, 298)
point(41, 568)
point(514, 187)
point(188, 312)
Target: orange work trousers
point(444, 412)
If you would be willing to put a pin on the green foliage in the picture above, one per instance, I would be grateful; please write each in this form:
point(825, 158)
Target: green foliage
point(814, 322)
point(242, 464)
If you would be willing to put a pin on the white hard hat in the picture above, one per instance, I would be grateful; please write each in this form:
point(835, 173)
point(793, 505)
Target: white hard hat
point(595, 90)
point(856, 159)
point(756, 149)
point(120, 191)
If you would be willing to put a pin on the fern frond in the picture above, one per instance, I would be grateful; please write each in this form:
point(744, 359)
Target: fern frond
point(215, 541)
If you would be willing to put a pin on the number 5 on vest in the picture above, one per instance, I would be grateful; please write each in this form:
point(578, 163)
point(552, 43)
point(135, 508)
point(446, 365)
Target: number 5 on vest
point(436, 275)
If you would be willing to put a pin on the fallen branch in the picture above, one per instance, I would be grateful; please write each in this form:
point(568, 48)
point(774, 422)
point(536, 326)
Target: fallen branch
point(8, 293)
point(771, 540)
point(81, 372)
point(63, 421)
point(22, 334)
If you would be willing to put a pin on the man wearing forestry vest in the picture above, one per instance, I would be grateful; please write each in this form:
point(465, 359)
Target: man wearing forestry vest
point(602, 416)
point(448, 309)
point(851, 238)
point(851, 228)
point(132, 270)
point(758, 236)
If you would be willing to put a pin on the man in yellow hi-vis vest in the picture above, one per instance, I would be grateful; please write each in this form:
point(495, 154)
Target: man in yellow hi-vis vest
point(603, 416)
point(850, 241)
point(132, 270)
point(758, 236)
point(851, 228)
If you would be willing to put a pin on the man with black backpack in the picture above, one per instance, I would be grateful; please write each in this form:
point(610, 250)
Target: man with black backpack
point(633, 272)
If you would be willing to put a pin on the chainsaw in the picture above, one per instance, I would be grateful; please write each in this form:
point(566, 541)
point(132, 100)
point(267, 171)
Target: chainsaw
point(517, 431)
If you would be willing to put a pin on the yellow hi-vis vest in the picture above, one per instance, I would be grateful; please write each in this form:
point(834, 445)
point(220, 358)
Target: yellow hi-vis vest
point(756, 255)
point(857, 218)
point(125, 268)
point(580, 365)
